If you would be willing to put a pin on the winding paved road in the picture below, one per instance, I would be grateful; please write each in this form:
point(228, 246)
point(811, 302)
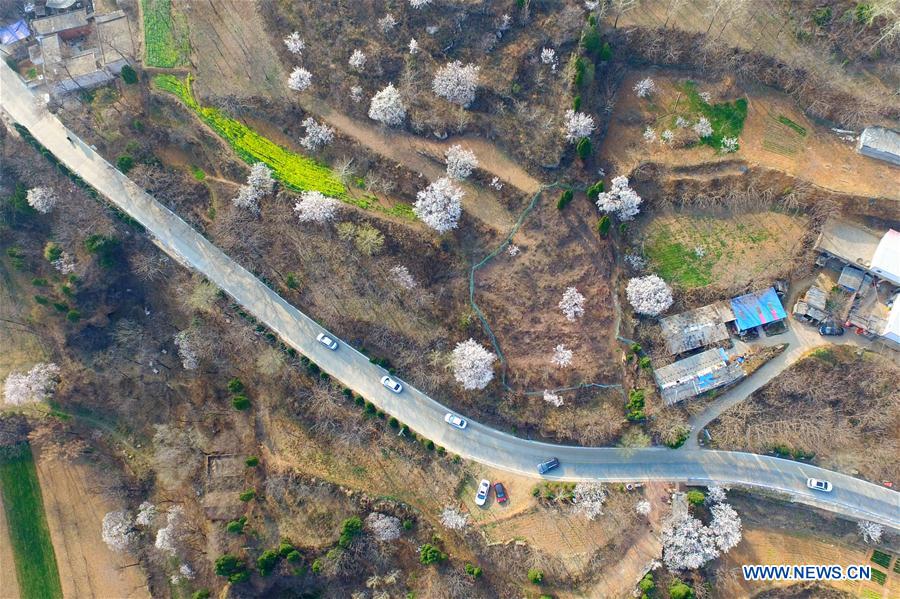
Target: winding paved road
point(851, 497)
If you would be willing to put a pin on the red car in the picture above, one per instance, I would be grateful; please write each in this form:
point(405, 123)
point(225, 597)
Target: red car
point(500, 492)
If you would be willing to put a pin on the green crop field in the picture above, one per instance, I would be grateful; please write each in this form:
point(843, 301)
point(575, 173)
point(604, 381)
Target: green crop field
point(165, 36)
point(294, 170)
point(29, 535)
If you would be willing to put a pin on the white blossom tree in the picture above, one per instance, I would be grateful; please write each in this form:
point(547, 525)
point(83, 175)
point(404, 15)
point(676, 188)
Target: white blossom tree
point(357, 60)
point(146, 514)
point(187, 350)
point(687, 544)
point(439, 205)
point(260, 182)
point(572, 304)
point(247, 199)
point(871, 532)
point(419, 3)
point(643, 508)
point(552, 398)
point(620, 200)
point(38, 384)
point(513, 250)
point(729, 144)
point(299, 79)
point(644, 88)
point(356, 93)
point(117, 530)
point(42, 199)
point(460, 162)
point(649, 295)
point(473, 365)
point(456, 82)
point(383, 527)
point(261, 179)
point(725, 526)
point(578, 125)
point(667, 136)
point(588, 498)
point(454, 519)
point(169, 538)
point(387, 107)
point(403, 277)
point(317, 135)
point(562, 356)
point(715, 494)
point(294, 44)
point(649, 135)
point(703, 128)
point(314, 207)
point(681, 122)
point(548, 56)
point(387, 23)
point(413, 46)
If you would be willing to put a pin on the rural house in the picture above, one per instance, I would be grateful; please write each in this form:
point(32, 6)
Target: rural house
point(697, 374)
point(880, 143)
point(696, 328)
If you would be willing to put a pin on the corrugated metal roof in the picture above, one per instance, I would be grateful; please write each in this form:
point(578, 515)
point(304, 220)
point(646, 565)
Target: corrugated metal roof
point(851, 278)
point(755, 309)
point(697, 374)
point(696, 328)
point(848, 241)
point(882, 140)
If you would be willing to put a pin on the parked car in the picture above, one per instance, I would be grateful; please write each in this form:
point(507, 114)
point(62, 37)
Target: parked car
point(548, 465)
point(500, 493)
point(484, 487)
point(818, 485)
point(391, 384)
point(327, 341)
point(830, 329)
point(455, 421)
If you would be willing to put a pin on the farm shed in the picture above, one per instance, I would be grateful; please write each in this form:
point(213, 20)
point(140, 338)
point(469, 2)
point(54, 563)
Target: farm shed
point(697, 374)
point(756, 309)
point(850, 279)
point(812, 305)
point(870, 311)
point(886, 260)
point(14, 32)
point(696, 328)
point(880, 143)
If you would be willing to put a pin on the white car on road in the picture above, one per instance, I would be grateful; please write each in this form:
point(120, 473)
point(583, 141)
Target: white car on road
point(391, 384)
point(484, 487)
point(818, 485)
point(455, 421)
point(327, 341)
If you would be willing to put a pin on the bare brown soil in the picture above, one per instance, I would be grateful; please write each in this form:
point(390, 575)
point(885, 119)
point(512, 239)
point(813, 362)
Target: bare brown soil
point(230, 51)
point(819, 157)
point(87, 567)
point(520, 294)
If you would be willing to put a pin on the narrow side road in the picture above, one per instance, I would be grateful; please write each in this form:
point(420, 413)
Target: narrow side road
point(851, 497)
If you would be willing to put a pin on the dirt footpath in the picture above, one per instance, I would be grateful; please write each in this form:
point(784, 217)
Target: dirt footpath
point(87, 567)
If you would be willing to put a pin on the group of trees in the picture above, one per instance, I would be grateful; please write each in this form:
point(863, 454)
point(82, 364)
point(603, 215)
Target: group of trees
point(688, 544)
point(38, 384)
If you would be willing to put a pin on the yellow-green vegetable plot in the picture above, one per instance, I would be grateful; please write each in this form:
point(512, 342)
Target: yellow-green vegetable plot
point(295, 171)
point(165, 40)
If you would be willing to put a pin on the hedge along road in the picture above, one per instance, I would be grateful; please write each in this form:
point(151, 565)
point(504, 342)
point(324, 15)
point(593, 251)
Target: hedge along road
point(851, 497)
